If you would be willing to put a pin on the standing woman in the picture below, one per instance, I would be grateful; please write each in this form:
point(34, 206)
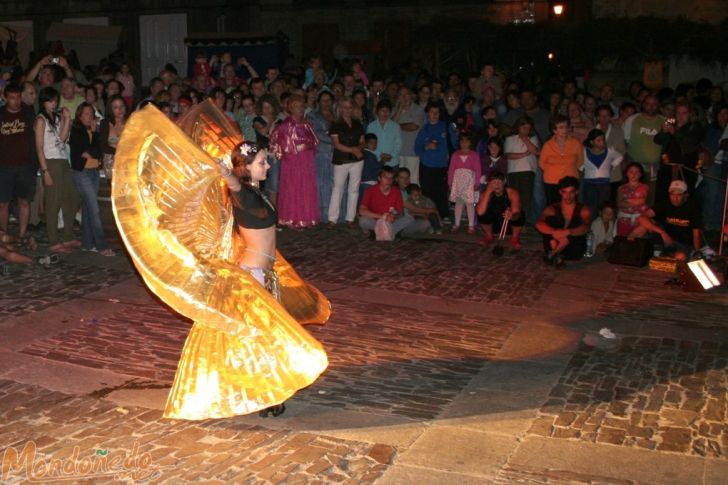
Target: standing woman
point(561, 156)
point(433, 144)
point(111, 128)
point(294, 143)
point(267, 110)
point(51, 135)
point(321, 118)
point(85, 155)
point(599, 160)
point(347, 135)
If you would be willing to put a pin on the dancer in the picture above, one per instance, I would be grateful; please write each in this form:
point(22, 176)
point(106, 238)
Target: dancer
point(207, 249)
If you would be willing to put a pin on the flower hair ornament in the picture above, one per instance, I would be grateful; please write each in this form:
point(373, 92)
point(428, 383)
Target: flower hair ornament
point(247, 149)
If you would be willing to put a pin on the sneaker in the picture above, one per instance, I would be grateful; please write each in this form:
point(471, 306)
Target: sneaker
point(471, 230)
point(455, 229)
point(48, 259)
point(707, 252)
point(90, 250)
point(516, 244)
point(487, 239)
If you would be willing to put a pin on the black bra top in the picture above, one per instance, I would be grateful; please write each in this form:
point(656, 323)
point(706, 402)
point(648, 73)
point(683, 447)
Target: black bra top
point(252, 210)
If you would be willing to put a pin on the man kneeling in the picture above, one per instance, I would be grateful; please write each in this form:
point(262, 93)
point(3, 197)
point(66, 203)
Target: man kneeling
point(383, 200)
point(497, 203)
point(678, 223)
point(564, 225)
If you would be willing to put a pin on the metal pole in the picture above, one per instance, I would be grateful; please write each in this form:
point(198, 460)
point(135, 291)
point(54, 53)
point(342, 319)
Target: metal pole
point(725, 210)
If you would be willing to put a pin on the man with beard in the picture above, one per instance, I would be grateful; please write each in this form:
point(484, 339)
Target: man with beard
point(564, 225)
point(681, 140)
point(639, 134)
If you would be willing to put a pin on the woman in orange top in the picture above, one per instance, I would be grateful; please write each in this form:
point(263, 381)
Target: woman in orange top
point(561, 156)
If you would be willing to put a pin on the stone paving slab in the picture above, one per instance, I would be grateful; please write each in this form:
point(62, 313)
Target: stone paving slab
point(458, 450)
point(542, 457)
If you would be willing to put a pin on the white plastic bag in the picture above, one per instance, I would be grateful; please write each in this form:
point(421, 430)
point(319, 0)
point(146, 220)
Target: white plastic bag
point(383, 230)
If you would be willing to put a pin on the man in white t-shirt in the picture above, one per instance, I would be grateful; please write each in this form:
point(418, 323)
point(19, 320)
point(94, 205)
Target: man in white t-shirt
point(521, 150)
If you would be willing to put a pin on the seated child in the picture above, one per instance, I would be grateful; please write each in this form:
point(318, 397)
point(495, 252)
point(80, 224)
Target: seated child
point(422, 208)
point(603, 228)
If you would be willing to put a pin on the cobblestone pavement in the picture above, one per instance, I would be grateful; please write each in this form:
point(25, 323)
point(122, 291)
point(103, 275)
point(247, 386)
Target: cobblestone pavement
point(628, 300)
point(420, 389)
point(445, 268)
point(34, 288)
point(401, 361)
point(652, 393)
point(169, 451)
point(114, 342)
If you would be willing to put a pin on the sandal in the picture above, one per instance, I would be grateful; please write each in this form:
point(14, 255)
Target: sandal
point(59, 248)
point(108, 252)
point(74, 244)
point(27, 242)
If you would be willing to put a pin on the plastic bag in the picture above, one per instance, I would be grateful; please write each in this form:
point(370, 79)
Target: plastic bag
point(383, 230)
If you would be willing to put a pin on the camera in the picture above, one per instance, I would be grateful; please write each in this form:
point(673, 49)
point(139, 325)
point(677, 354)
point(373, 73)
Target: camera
point(55, 60)
point(670, 121)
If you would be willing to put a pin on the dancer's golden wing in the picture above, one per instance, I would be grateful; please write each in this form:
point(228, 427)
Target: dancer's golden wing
point(166, 195)
point(212, 131)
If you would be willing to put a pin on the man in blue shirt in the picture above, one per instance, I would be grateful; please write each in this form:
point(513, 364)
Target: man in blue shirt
point(389, 135)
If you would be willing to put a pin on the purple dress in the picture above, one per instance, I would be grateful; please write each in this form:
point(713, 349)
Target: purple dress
point(294, 143)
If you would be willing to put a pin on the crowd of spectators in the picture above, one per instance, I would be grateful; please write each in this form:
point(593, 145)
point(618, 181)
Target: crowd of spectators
point(404, 154)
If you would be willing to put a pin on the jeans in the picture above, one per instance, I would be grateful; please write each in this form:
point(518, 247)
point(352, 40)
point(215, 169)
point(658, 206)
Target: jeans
point(369, 223)
point(712, 195)
point(352, 172)
point(595, 195)
point(92, 232)
point(324, 179)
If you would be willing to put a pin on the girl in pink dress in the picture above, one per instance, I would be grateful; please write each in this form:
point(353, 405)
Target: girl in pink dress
point(631, 200)
point(293, 141)
point(463, 177)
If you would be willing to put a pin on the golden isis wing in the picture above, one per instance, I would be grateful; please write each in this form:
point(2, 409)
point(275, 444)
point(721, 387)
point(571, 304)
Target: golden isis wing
point(212, 131)
point(166, 195)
